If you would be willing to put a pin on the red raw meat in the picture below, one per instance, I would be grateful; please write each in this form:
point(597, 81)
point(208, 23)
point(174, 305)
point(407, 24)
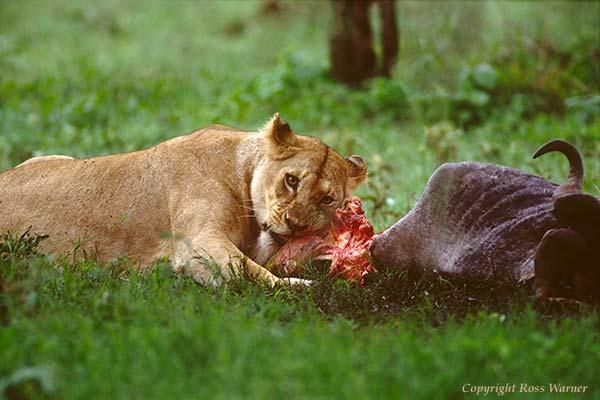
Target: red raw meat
point(346, 245)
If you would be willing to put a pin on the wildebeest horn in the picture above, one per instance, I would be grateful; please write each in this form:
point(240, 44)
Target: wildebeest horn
point(575, 178)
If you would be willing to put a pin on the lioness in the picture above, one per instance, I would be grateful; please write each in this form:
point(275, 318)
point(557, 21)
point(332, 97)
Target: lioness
point(221, 193)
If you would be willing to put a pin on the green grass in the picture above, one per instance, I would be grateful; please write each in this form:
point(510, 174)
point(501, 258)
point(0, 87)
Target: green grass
point(109, 333)
point(87, 79)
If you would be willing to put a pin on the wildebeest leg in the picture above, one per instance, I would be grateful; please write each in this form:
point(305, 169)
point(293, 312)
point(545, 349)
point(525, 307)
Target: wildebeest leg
point(557, 259)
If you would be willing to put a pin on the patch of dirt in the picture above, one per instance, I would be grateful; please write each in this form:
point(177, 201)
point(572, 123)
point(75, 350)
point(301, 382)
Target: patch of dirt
point(432, 298)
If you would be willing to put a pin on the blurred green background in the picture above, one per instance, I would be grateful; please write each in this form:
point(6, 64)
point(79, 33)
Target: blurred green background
point(484, 81)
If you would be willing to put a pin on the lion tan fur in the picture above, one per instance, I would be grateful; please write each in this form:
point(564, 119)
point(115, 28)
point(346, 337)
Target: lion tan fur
point(218, 193)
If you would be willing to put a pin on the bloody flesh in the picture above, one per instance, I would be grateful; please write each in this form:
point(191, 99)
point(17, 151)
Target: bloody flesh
point(346, 245)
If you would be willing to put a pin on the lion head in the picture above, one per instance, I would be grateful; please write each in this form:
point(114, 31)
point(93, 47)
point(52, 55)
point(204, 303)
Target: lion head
point(299, 185)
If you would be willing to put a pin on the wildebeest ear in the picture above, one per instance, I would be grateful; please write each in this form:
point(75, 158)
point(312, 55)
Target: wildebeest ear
point(357, 171)
point(278, 133)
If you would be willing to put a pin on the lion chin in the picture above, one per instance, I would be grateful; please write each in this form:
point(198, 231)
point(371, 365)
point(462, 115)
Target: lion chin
point(196, 199)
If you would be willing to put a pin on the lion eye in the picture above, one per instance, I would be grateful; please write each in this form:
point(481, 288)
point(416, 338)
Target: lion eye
point(327, 200)
point(291, 181)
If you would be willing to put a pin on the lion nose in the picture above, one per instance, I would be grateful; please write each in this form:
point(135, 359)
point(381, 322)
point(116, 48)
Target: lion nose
point(294, 224)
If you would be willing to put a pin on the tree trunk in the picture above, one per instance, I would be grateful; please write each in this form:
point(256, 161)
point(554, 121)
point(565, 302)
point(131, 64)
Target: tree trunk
point(353, 58)
point(351, 49)
point(389, 36)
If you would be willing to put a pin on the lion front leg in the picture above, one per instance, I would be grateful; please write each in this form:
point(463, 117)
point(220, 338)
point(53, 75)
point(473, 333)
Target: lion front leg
point(213, 258)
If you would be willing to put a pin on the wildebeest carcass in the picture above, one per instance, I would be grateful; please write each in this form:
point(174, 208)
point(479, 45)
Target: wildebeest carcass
point(482, 221)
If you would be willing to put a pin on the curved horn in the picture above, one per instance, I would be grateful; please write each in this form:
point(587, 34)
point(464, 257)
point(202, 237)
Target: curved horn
point(575, 178)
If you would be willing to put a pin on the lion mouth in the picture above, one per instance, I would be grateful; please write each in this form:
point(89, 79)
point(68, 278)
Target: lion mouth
point(279, 239)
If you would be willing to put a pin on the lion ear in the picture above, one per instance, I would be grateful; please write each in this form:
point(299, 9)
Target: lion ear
point(278, 133)
point(357, 171)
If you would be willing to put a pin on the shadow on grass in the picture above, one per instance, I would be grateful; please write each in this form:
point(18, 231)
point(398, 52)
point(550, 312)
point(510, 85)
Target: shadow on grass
point(429, 298)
